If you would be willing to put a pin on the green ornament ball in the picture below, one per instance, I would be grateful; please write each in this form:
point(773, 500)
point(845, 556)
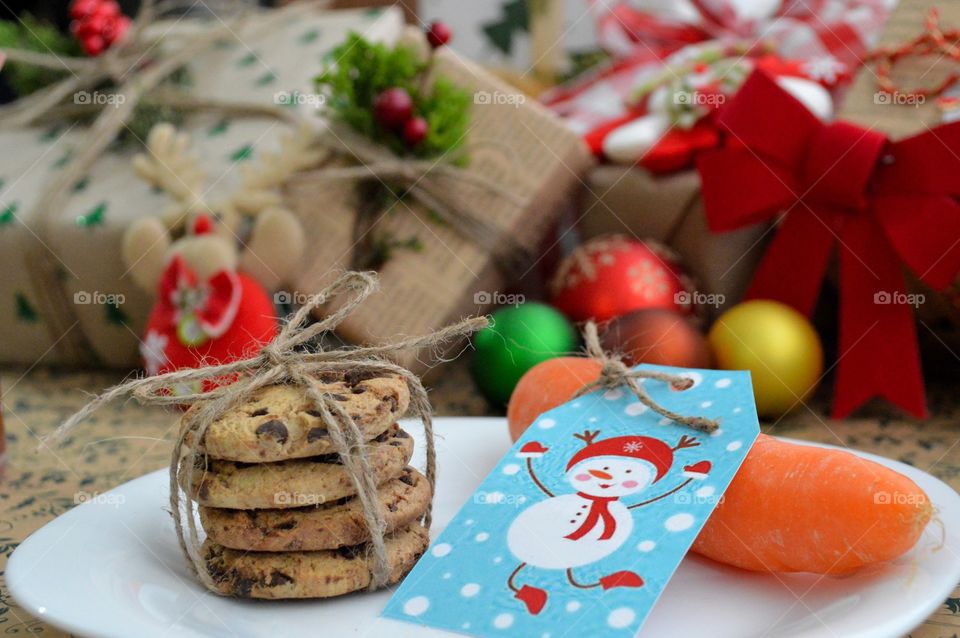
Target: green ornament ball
point(518, 339)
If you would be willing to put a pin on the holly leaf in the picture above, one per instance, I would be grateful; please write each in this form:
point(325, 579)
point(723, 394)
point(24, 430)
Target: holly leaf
point(953, 605)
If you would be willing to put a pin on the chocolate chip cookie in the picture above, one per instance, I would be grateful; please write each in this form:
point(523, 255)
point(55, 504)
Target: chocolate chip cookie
point(279, 423)
point(319, 574)
point(297, 482)
point(339, 524)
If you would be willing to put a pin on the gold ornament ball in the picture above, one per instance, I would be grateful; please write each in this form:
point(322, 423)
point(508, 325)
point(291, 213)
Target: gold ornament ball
point(779, 347)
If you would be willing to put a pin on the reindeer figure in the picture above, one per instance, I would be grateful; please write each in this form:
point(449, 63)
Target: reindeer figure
point(212, 263)
point(571, 530)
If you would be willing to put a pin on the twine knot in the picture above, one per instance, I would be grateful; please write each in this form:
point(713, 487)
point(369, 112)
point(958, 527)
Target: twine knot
point(614, 373)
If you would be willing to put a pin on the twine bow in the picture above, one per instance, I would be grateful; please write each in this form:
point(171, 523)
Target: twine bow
point(615, 373)
point(285, 361)
point(428, 181)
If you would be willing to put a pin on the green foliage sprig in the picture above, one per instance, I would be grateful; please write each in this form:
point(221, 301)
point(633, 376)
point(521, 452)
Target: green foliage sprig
point(32, 34)
point(360, 70)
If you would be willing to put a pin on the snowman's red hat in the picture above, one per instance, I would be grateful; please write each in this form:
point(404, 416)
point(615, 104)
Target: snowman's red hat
point(641, 448)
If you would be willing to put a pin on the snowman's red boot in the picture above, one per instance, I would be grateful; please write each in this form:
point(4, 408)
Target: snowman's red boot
point(621, 579)
point(533, 597)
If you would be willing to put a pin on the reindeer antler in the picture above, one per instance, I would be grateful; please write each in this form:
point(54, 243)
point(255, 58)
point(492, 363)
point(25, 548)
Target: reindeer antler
point(261, 181)
point(685, 442)
point(587, 437)
point(170, 166)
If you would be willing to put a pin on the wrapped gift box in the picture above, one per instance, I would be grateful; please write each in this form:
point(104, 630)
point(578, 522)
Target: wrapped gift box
point(512, 141)
point(87, 311)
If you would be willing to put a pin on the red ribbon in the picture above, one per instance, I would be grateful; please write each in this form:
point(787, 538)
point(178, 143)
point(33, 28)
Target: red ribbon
point(879, 203)
point(599, 508)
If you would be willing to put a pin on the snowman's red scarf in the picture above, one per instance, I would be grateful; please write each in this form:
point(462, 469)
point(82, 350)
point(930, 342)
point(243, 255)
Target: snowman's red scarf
point(599, 509)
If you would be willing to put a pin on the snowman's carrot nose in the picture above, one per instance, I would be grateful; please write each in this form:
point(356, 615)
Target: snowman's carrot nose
point(600, 474)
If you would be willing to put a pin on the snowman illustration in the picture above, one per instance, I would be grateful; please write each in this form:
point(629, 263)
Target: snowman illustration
point(567, 531)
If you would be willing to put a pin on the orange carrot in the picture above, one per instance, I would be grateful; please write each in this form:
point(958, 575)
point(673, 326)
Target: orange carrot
point(790, 508)
point(800, 508)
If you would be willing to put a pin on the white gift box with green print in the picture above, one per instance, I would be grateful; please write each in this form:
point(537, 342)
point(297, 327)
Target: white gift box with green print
point(105, 310)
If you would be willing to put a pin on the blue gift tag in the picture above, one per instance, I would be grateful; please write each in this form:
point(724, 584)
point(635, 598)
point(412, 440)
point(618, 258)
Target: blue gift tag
point(586, 518)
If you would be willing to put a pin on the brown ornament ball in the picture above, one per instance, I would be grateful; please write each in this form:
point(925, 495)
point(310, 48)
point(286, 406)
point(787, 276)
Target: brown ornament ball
point(659, 336)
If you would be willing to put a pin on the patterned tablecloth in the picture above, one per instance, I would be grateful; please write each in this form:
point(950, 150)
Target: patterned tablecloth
point(126, 441)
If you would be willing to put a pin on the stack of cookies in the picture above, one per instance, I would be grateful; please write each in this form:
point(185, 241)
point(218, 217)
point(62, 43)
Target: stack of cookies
point(280, 510)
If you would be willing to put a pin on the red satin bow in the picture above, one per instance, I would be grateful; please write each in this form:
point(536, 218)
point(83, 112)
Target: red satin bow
point(878, 202)
point(213, 304)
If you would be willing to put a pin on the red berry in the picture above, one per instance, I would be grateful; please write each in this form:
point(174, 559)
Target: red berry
point(107, 9)
point(439, 34)
point(81, 8)
point(91, 25)
point(94, 45)
point(415, 130)
point(116, 29)
point(393, 108)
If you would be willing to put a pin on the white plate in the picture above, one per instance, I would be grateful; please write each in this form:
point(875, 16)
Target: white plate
point(112, 568)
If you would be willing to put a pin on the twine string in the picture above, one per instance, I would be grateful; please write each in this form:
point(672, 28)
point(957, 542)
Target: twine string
point(614, 373)
point(427, 181)
point(282, 362)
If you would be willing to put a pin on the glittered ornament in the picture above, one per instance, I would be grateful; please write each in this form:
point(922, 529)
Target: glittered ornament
point(658, 336)
point(518, 339)
point(610, 276)
point(779, 347)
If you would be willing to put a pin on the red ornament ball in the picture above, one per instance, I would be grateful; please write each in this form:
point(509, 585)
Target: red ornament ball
point(392, 108)
point(610, 276)
point(415, 130)
point(439, 34)
point(658, 336)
